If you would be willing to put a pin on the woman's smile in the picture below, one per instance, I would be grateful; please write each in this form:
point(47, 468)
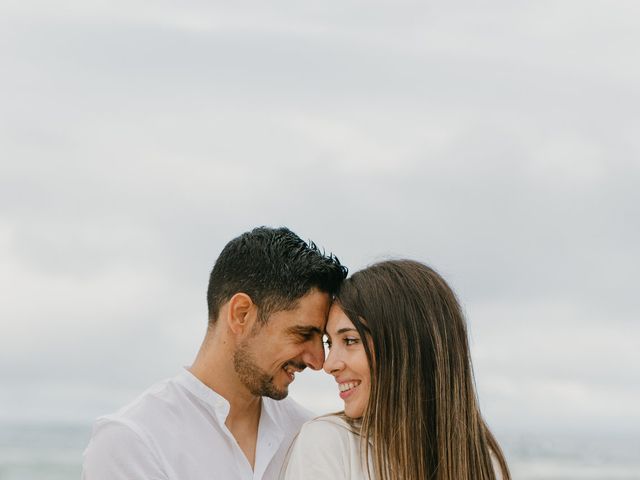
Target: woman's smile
point(348, 388)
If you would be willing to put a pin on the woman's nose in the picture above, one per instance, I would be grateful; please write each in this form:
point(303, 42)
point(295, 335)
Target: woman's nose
point(333, 363)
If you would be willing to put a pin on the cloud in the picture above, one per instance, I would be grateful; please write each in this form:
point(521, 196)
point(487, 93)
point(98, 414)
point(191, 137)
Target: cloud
point(496, 143)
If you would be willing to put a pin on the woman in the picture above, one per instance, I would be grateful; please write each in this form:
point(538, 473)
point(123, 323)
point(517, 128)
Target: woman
point(398, 349)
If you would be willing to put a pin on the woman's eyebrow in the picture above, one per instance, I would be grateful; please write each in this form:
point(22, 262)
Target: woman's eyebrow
point(346, 329)
point(341, 331)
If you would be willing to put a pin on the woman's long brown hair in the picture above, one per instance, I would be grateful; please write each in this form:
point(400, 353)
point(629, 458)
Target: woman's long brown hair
point(422, 421)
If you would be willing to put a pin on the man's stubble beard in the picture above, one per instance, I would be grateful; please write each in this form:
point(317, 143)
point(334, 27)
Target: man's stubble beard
point(257, 381)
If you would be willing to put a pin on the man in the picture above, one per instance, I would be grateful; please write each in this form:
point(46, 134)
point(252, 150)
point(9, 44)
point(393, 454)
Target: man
point(226, 417)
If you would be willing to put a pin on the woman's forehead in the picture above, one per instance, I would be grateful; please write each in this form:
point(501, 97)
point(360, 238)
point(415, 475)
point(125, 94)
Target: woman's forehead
point(338, 320)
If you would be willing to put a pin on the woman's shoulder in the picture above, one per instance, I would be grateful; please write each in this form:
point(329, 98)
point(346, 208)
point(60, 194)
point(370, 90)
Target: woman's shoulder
point(326, 428)
point(334, 419)
point(322, 450)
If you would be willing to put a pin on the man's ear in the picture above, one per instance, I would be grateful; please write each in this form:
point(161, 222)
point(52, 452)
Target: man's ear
point(242, 314)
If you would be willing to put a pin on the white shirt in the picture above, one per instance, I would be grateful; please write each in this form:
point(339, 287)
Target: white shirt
point(175, 431)
point(326, 449)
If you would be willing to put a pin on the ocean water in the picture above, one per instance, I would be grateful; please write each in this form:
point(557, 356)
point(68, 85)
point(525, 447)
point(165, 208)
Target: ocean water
point(51, 451)
point(594, 456)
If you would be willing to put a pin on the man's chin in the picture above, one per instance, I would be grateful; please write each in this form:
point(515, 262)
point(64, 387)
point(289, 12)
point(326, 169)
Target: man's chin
point(280, 390)
point(275, 390)
point(279, 394)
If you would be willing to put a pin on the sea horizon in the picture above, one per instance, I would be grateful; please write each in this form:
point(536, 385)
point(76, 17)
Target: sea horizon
point(52, 450)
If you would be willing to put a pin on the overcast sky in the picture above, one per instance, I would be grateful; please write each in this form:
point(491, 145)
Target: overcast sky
point(497, 141)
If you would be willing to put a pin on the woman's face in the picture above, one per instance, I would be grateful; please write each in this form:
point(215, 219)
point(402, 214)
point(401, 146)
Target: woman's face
point(347, 362)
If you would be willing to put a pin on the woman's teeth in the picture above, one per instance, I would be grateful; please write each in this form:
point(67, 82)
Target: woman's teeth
point(348, 386)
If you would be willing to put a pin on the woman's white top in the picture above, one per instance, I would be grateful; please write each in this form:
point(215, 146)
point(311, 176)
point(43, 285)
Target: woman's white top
point(325, 449)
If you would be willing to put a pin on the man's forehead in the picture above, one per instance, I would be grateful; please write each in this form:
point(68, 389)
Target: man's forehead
point(298, 320)
point(305, 330)
point(313, 305)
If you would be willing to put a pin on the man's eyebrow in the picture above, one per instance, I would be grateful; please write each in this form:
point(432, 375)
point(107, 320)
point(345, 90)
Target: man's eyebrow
point(304, 331)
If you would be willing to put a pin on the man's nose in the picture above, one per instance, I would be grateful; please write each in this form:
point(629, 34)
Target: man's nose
point(314, 355)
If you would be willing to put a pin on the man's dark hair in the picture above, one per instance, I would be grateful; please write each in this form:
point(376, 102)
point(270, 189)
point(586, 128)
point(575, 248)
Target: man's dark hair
point(274, 267)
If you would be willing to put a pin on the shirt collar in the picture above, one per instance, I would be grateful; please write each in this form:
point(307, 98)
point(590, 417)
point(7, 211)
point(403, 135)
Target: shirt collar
point(220, 406)
point(212, 399)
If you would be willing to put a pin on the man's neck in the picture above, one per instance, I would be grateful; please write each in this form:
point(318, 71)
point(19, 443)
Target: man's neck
point(213, 368)
point(219, 375)
point(243, 425)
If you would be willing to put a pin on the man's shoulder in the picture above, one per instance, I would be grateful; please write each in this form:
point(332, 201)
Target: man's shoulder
point(122, 442)
point(161, 400)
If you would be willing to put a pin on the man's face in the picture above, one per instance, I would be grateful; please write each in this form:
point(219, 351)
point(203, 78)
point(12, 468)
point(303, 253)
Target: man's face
point(290, 341)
